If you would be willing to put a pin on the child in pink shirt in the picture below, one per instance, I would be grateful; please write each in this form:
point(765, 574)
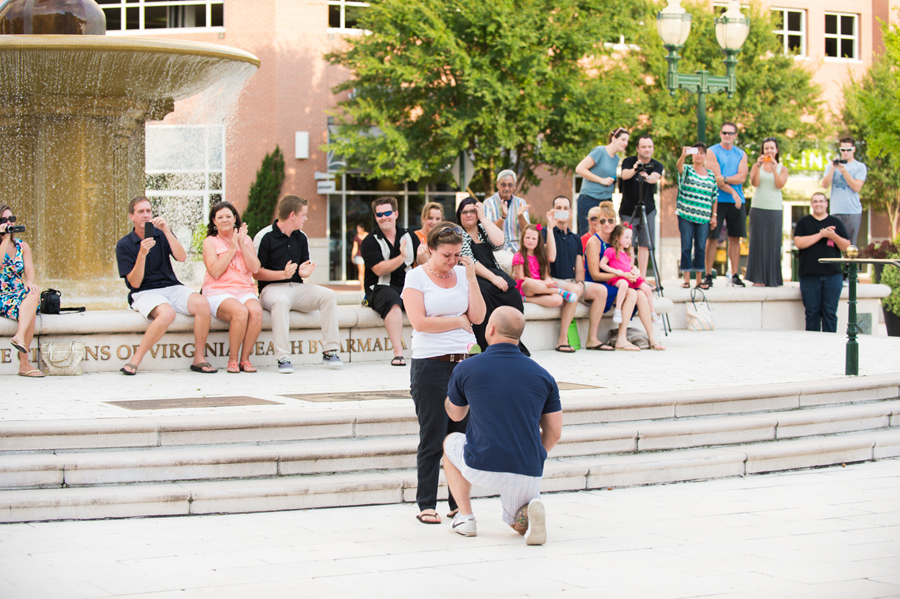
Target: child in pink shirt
point(618, 259)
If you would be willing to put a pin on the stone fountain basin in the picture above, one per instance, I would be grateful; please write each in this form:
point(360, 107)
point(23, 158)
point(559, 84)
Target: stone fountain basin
point(69, 65)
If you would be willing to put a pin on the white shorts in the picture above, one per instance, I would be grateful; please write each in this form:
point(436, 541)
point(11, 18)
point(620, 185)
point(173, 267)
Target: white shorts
point(177, 296)
point(216, 300)
point(516, 490)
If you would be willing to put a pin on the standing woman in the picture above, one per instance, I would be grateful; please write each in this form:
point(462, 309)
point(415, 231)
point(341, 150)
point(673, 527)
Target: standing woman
point(432, 214)
point(481, 238)
point(768, 176)
point(442, 302)
point(598, 169)
point(356, 256)
point(19, 296)
point(230, 261)
point(698, 200)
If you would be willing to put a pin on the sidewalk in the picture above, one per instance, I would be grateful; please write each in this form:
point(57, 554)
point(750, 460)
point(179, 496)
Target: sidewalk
point(704, 360)
point(813, 534)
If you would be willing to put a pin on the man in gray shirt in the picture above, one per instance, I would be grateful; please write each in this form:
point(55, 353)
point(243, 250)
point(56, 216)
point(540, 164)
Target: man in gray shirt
point(845, 176)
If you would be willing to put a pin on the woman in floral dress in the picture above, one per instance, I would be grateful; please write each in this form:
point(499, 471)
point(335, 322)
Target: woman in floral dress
point(19, 296)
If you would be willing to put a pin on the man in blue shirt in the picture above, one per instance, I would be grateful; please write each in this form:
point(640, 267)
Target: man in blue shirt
point(729, 164)
point(845, 176)
point(153, 289)
point(514, 420)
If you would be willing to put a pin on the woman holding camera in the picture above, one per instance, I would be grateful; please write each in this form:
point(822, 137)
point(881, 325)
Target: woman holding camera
point(230, 261)
point(768, 176)
point(19, 296)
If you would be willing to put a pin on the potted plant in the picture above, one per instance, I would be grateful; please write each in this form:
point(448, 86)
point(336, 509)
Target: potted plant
point(879, 251)
point(890, 276)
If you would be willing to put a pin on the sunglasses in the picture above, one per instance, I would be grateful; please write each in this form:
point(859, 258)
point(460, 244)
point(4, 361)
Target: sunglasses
point(729, 132)
point(447, 232)
point(469, 212)
point(383, 214)
point(603, 221)
point(4, 219)
point(846, 149)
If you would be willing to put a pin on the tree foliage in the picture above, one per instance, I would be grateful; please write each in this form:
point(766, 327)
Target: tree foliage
point(264, 192)
point(775, 95)
point(516, 83)
point(870, 112)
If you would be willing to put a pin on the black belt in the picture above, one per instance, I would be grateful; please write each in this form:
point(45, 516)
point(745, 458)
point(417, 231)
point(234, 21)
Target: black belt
point(450, 357)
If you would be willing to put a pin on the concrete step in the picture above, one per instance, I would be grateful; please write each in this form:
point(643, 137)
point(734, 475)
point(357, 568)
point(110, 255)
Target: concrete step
point(596, 408)
point(394, 486)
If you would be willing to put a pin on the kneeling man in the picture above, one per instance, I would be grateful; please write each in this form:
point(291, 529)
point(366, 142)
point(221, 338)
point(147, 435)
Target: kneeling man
point(514, 420)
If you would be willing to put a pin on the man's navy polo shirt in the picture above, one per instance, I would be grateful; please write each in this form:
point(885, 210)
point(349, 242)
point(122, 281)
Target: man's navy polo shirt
point(276, 248)
point(568, 248)
point(158, 272)
point(507, 392)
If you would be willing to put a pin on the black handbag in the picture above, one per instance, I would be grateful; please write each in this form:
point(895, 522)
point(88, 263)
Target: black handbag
point(50, 303)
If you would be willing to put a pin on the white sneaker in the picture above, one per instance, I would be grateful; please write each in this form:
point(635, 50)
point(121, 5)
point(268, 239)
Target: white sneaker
point(537, 524)
point(331, 359)
point(464, 525)
point(656, 319)
point(285, 366)
point(617, 316)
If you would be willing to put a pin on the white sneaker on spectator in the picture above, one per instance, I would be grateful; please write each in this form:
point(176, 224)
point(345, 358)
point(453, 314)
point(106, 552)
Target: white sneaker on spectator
point(617, 316)
point(285, 366)
point(331, 359)
point(537, 523)
point(464, 525)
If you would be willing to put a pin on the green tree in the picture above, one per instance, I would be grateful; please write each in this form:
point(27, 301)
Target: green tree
point(264, 192)
point(869, 113)
point(515, 83)
point(775, 94)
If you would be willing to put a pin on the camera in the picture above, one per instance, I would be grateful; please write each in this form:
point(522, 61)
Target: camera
point(10, 228)
point(640, 167)
point(838, 161)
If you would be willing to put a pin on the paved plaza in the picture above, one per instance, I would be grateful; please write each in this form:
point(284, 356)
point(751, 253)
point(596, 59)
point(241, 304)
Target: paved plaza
point(830, 532)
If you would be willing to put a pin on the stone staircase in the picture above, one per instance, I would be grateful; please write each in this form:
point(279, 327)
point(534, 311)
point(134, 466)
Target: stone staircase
point(128, 467)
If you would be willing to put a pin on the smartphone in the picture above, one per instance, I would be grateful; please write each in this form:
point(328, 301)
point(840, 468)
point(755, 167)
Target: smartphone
point(691, 151)
point(148, 229)
point(561, 215)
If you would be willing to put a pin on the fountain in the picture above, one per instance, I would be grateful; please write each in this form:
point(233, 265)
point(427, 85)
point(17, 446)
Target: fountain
point(73, 104)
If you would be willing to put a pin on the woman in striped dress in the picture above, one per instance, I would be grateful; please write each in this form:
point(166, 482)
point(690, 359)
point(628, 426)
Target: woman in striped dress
point(696, 211)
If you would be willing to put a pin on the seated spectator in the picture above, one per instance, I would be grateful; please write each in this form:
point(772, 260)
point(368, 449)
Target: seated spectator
point(432, 214)
point(143, 260)
point(19, 296)
point(531, 267)
point(593, 226)
point(389, 253)
point(510, 213)
point(356, 257)
point(284, 263)
point(481, 237)
point(228, 283)
point(567, 271)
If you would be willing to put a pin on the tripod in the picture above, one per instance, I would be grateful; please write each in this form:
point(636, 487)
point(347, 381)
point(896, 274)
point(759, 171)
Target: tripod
point(640, 210)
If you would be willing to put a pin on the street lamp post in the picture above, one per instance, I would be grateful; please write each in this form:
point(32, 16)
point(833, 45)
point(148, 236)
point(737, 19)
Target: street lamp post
point(674, 25)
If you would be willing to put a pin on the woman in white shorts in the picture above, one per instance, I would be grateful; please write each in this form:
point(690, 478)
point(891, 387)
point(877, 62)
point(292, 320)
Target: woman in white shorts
point(230, 261)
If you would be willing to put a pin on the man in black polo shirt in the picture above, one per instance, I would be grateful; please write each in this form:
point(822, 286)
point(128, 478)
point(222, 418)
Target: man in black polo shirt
point(154, 291)
point(389, 252)
point(640, 171)
point(284, 260)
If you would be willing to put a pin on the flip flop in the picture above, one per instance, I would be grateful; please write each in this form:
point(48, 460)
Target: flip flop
point(628, 347)
point(233, 368)
point(565, 349)
point(18, 346)
point(657, 347)
point(433, 516)
point(601, 347)
point(399, 361)
point(453, 513)
point(33, 374)
point(131, 372)
point(246, 366)
point(203, 367)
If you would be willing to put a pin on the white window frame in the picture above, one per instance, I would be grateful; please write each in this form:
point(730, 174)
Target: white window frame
point(839, 37)
point(784, 33)
point(142, 5)
point(343, 4)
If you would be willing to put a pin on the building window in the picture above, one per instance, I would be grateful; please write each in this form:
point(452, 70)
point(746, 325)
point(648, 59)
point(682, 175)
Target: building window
point(153, 15)
point(790, 27)
point(841, 36)
point(344, 14)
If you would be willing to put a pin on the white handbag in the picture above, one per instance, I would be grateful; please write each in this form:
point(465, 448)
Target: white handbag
point(699, 316)
point(62, 359)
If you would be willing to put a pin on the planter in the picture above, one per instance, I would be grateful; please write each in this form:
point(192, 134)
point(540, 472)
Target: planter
point(891, 323)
